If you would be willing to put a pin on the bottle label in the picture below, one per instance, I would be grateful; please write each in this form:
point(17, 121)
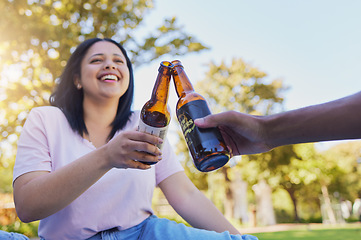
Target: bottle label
point(160, 132)
point(193, 135)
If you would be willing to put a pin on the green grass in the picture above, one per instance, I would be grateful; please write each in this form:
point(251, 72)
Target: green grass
point(319, 234)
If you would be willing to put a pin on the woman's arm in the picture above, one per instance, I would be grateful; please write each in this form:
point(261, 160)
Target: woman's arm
point(192, 205)
point(40, 194)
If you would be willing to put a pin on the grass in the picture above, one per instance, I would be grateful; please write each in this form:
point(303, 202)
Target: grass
point(319, 234)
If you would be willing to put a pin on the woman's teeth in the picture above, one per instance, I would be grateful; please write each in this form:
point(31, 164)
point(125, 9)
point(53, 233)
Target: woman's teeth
point(109, 78)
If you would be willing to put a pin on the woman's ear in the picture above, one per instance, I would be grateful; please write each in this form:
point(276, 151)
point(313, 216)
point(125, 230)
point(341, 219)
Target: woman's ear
point(77, 82)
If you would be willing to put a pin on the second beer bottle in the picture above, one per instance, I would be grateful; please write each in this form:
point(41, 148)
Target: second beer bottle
point(206, 145)
point(155, 114)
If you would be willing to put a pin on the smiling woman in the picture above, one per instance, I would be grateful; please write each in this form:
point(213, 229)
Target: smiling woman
point(104, 76)
point(69, 95)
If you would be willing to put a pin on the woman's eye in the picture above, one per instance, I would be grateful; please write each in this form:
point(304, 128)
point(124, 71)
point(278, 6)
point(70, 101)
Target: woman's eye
point(118, 61)
point(95, 60)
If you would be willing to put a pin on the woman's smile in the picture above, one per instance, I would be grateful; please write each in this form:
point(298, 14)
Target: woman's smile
point(109, 78)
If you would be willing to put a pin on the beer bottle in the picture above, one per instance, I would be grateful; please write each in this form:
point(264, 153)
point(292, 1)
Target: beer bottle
point(206, 145)
point(155, 114)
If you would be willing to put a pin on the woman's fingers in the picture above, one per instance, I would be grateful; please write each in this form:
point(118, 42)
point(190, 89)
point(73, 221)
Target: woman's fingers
point(133, 149)
point(144, 137)
point(145, 143)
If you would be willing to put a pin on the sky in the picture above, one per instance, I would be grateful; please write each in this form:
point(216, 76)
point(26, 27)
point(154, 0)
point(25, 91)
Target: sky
point(314, 46)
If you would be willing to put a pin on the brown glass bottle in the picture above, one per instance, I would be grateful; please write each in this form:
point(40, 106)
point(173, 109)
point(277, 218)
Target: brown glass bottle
point(155, 114)
point(206, 145)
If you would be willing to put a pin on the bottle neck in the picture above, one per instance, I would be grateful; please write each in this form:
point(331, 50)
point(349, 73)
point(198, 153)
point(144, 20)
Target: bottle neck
point(161, 86)
point(181, 80)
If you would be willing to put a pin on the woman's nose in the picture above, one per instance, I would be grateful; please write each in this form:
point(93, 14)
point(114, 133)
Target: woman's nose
point(109, 65)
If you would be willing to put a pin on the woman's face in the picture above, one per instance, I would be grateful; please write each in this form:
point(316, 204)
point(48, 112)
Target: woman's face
point(104, 72)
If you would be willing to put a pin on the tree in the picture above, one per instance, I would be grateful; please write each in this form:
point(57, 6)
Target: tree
point(347, 157)
point(38, 37)
point(292, 169)
point(310, 174)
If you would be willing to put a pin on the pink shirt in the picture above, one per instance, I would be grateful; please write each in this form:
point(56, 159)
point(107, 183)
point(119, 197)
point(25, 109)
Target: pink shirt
point(121, 198)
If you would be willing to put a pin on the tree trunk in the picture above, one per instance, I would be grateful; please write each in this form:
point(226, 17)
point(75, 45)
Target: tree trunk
point(228, 202)
point(264, 207)
point(328, 205)
point(291, 192)
point(239, 191)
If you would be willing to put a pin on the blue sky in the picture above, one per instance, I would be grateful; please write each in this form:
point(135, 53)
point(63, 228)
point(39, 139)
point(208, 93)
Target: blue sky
point(313, 45)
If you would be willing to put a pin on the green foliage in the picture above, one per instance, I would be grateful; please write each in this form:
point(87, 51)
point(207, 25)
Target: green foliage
point(283, 206)
point(241, 87)
point(28, 229)
point(6, 175)
point(345, 171)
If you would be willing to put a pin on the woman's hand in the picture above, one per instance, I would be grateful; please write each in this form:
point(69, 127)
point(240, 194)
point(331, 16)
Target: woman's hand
point(127, 149)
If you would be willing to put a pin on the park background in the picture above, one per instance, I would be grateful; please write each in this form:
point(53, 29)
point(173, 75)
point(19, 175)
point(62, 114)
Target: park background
point(259, 57)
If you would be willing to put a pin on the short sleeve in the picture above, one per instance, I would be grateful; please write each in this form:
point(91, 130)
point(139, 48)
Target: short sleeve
point(33, 150)
point(169, 164)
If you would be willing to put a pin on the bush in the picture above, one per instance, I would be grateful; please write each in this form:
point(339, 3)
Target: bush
point(312, 219)
point(283, 216)
point(28, 229)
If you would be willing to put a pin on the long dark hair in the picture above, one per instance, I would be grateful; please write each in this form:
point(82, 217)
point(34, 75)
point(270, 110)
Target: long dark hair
point(70, 100)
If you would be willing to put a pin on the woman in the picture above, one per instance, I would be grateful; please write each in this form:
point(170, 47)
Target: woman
point(77, 171)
